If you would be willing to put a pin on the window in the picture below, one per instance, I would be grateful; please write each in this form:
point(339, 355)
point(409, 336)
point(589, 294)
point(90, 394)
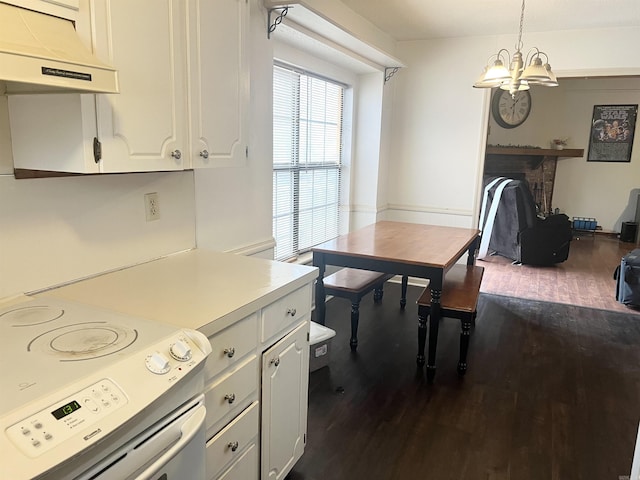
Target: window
point(307, 150)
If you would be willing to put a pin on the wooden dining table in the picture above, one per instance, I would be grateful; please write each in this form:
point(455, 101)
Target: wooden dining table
point(412, 249)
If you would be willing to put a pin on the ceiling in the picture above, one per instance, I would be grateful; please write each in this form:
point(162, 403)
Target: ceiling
point(423, 19)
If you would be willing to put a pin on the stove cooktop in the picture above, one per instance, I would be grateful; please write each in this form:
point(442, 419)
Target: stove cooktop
point(49, 342)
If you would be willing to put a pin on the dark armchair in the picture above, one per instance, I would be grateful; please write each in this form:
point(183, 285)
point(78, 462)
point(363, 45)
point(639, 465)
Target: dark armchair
point(518, 232)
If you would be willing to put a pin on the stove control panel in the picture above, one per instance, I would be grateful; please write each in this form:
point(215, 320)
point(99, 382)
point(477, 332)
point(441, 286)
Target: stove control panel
point(49, 427)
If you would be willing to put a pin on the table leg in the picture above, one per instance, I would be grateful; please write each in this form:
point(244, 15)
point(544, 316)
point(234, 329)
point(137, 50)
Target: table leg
point(434, 323)
point(471, 257)
point(321, 297)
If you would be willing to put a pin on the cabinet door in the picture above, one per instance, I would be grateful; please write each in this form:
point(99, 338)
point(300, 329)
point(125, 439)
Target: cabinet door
point(142, 126)
point(219, 81)
point(285, 385)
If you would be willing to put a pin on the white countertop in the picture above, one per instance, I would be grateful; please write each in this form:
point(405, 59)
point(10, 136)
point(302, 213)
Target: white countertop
point(198, 289)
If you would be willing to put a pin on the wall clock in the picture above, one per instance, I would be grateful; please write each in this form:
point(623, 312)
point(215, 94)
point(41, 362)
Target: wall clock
point(510, 112)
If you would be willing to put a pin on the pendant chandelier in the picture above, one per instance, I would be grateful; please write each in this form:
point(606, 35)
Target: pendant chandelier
point(517, 78)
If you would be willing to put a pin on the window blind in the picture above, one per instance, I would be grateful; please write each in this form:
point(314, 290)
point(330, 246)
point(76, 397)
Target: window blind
point(307, 152)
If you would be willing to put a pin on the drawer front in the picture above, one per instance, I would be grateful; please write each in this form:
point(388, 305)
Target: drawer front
point(231, 345)
point(245, 468)
point(285, 312)
point(229, 444)
point(227, 395)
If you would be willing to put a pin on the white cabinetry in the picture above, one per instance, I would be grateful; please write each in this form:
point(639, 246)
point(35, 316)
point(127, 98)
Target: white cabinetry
point(285, 369)
point(239, 400)
point(183, 101)
point(144, 127)
point(218, 82)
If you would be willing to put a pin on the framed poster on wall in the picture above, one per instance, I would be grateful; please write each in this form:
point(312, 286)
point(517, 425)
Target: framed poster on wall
point(612, 131)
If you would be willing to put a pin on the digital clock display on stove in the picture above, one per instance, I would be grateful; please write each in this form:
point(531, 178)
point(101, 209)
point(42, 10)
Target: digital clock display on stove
point(65, 410)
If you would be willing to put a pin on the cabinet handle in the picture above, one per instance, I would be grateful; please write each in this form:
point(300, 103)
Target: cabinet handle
point(204, 154)
point(275, 361)
point(230, 397)
point(292, 312)
point(233, 446)
point(177, 154)
point(230, 352)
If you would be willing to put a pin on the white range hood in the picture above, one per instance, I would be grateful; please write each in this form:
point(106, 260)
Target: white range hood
point(41, 53)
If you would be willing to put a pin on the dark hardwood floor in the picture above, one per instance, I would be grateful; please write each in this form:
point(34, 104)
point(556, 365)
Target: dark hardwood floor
point(552, 392)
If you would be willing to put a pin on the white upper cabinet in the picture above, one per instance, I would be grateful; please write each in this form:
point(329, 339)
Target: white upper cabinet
point(145, 126)
point(219, 81)
point(183, 101)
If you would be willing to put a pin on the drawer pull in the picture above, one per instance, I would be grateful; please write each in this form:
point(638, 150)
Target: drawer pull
point(275, 361)
point(177, 154)
point(233, 446)
point(230, 397)
point(292, 312)
point(230, 352)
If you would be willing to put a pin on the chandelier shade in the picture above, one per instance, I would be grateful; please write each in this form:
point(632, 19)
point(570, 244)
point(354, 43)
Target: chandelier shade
point(517, 78)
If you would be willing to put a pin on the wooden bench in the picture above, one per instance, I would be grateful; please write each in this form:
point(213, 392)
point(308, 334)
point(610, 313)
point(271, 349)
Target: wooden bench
point(459, 300)
point(353, 284)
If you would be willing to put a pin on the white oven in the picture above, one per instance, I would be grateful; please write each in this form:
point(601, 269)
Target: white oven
point(91, 394)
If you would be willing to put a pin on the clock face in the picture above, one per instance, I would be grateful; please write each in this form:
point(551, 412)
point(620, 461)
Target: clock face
point(509, 112)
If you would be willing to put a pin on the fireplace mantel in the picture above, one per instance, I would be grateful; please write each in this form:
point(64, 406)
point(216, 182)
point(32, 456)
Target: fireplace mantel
point(534, 155)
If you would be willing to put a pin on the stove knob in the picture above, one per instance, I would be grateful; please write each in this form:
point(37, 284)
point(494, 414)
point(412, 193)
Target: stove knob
point(157, 363)
point(180, 351)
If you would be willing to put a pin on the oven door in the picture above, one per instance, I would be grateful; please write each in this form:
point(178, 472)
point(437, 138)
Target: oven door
point(172, 449)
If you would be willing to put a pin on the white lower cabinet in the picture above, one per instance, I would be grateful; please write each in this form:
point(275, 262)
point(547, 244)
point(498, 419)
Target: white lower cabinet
point(256, 391)
point(285, 380)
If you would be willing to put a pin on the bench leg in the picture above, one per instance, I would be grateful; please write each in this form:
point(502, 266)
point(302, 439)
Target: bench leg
point(355, 317)
point(378, 292)
point(422, 335)
point(403, 297)
point(465, 333)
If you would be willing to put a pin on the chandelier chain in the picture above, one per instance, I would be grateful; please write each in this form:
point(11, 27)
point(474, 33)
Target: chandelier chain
point(519, 44)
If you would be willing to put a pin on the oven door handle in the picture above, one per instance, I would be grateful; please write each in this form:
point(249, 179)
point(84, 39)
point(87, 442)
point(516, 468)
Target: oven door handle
point(189, 429)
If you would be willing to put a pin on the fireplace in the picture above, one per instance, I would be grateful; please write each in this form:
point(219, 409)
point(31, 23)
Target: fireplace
point(535, 165)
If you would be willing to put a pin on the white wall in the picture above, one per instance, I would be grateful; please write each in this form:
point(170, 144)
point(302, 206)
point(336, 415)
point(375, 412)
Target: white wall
point(436, 132)
point(366, 152)
point(55, 230)
point(582, 189)
point(439, 120)
point(233, 205)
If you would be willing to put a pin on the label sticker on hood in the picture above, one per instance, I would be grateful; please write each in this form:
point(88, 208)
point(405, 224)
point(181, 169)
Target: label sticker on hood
point(56, 72)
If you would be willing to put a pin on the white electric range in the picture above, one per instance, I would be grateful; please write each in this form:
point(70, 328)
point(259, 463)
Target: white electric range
point(82, 385)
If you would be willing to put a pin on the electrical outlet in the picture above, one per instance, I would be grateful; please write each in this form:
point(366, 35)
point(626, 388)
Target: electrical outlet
point(152, 206)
